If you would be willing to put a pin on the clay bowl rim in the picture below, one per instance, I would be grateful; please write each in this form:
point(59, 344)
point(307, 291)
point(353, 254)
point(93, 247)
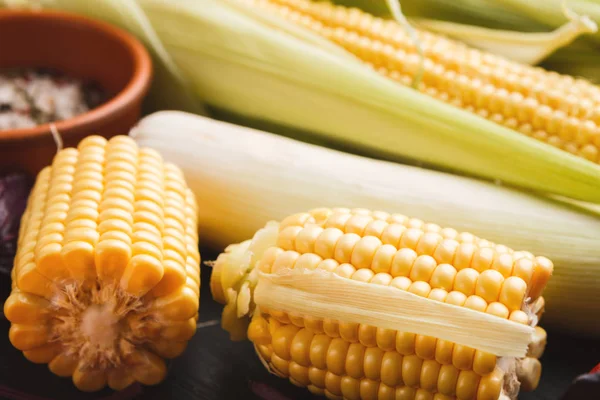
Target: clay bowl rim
point(136, 88)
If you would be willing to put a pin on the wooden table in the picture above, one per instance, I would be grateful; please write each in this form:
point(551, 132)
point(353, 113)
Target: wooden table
point(214, 368)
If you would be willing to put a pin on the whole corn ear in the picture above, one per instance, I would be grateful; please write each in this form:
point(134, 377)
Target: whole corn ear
point(244, 177)
point(342, 301)
point(555, 109)
point(344, 83)
point(106, 278)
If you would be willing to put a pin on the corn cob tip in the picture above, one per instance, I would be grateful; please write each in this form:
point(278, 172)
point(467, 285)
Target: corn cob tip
point(234, 276)
point(216, 289)
point(227, 271)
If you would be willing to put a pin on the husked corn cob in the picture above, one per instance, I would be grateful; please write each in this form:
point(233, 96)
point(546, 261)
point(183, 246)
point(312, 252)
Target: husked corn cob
point(106, 276)
point(557, 109)
point(354, 360)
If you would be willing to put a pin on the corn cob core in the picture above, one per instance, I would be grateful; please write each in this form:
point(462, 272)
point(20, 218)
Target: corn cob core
point(351, 360)
point(557, 109)
point(106, 277)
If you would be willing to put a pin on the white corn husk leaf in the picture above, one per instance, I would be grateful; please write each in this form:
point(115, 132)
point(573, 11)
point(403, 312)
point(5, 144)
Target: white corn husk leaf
point(243, 178)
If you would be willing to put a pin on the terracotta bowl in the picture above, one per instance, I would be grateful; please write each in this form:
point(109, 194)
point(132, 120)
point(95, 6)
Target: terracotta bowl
point(81, 48)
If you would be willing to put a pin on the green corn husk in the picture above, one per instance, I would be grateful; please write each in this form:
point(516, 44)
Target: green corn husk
point(247, 64)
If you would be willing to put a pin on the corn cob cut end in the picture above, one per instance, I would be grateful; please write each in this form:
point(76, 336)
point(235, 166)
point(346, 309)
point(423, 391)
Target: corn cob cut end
point(106, 276)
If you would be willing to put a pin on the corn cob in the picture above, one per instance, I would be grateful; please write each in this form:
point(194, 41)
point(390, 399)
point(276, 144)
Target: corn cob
point(354, 359)
point(106, 277)
point(557, 109)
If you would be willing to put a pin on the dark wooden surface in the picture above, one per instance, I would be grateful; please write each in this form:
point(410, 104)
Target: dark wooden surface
point(214, 368)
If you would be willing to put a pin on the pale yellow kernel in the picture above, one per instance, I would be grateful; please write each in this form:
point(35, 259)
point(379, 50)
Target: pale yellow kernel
point(338, 220)
point(443, 277)
point(307, 261)
point(364, 251)
point(376, 228)
point(326, 242)
point(398, 219)
point(286, 260)
point(489, 285)
point(402, 262)
point(306, 238)
point(512, 293)
point(519, 316)
point(422, 268)
point(363, 275)
point(445, 252)
point(381, 279)
point(382, 260)
point(345, 247)
point(456, 298)
point(438, 294)
point(476, 303)
point(466, 281)
point(268, 258)
point(410, 238)
point(320, 215)
point(357, 223)
point(420, 288)
point(449, 233)
point(428, 243)
point(497, 309)
point(298, 220)
point(392, 234)
point(345, 270)
point(401, 282)
point(483, 258)
point(523, 268)
point(464, 255)
point(503, 263)
point(328, 265)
